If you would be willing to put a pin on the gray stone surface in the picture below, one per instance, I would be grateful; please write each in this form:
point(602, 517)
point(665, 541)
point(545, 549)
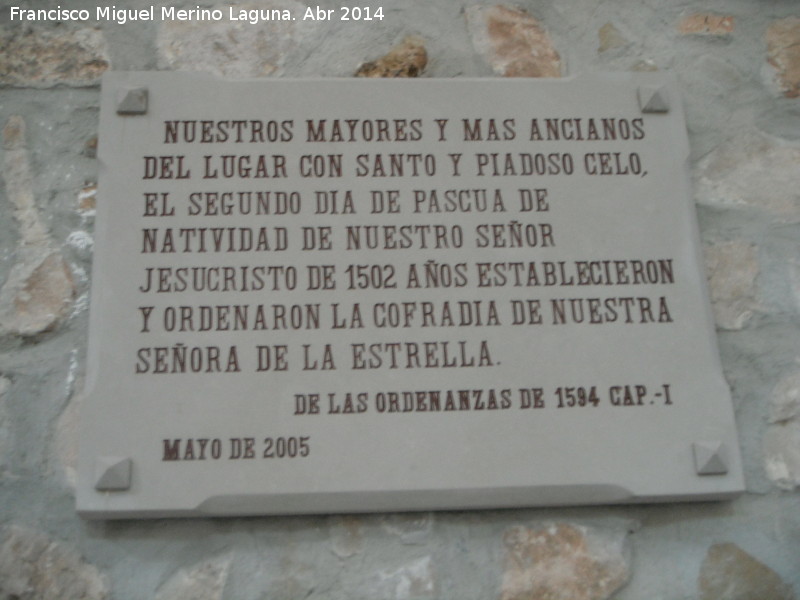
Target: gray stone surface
point(232, 48)
point(732, 272)
point(5, 428)
point(414, 579)
point(411, 528)
point(729, 573)
point(347, 539)
point(707, 24)
point(753, 171)
point(782, 454)
point(610, 38)
point(564, 561)
point(64, 445)
point(46, 57)
point(205, 581)
point(513, 42)
point(33, 567)
point(407, 59)
point(785, 401)
point(783, 47)
point(782, 439)
point(39, 289)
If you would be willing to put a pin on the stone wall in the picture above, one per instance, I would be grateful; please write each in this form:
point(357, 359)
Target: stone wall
point(739, 65)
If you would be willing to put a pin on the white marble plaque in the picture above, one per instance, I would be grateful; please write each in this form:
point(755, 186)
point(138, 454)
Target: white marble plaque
point(380, 295)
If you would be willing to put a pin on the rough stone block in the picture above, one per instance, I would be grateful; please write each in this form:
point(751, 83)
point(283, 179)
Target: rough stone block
point(45, 58)
point(729, 573)
point(564, 561)
point(413, 580)
point(783, 55)
point(610, 38)
point(33, 567)
point(205, 581)
point(90, 147)
point(751, 170)
point(782, 454)
point(346, 537)
point(782, 439)
point(732, 270)
point(411, 528)
point(780, 272)
point(706, 24)
point(19, 182)
point(64, 447)
point(407, 59)
point(785, 400)
point(87, 201)
point(231, 48)
point(37, 294)
point(644, 66)
point(513, 42)
point(39, 289)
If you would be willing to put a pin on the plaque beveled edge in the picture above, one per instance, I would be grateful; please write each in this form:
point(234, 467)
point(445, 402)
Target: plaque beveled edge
point(407, 501)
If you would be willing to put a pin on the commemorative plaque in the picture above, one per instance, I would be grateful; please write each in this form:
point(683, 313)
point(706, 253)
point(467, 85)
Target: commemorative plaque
point(361, 295)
